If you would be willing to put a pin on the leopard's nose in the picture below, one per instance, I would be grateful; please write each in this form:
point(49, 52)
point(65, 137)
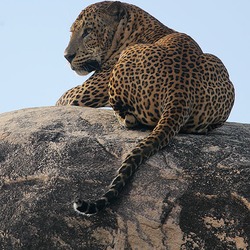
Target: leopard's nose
point(69, 56)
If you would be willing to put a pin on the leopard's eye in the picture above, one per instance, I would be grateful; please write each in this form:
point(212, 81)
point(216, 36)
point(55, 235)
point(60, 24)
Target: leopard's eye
point(86, 32)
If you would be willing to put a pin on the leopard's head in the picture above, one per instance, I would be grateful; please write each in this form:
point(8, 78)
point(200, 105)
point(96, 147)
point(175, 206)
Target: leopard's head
point(92, 36)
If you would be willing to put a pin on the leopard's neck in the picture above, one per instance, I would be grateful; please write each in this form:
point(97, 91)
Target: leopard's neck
point(136, 27)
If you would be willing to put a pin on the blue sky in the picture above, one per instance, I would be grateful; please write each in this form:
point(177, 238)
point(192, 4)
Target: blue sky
point(34, 34)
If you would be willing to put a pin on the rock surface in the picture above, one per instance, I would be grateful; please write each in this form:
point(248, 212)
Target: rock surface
point(194, 194)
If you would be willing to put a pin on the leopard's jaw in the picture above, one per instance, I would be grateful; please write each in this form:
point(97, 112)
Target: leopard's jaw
point(81, 72)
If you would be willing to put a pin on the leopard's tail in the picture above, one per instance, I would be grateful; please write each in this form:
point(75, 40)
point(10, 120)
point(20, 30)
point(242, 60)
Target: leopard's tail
point(166, 128)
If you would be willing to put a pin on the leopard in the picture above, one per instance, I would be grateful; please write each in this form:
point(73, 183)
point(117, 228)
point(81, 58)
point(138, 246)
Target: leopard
point(150, 75)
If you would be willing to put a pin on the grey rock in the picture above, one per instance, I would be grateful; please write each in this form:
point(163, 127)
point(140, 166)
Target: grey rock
point(194, 194)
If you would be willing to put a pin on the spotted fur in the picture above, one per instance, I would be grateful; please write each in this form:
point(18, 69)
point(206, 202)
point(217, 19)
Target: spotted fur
point(150, 75)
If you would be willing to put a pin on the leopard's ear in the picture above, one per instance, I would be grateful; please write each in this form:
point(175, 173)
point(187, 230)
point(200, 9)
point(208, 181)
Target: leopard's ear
point(117, 10)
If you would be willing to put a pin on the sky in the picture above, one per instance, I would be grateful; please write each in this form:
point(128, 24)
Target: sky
point(34, 34)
